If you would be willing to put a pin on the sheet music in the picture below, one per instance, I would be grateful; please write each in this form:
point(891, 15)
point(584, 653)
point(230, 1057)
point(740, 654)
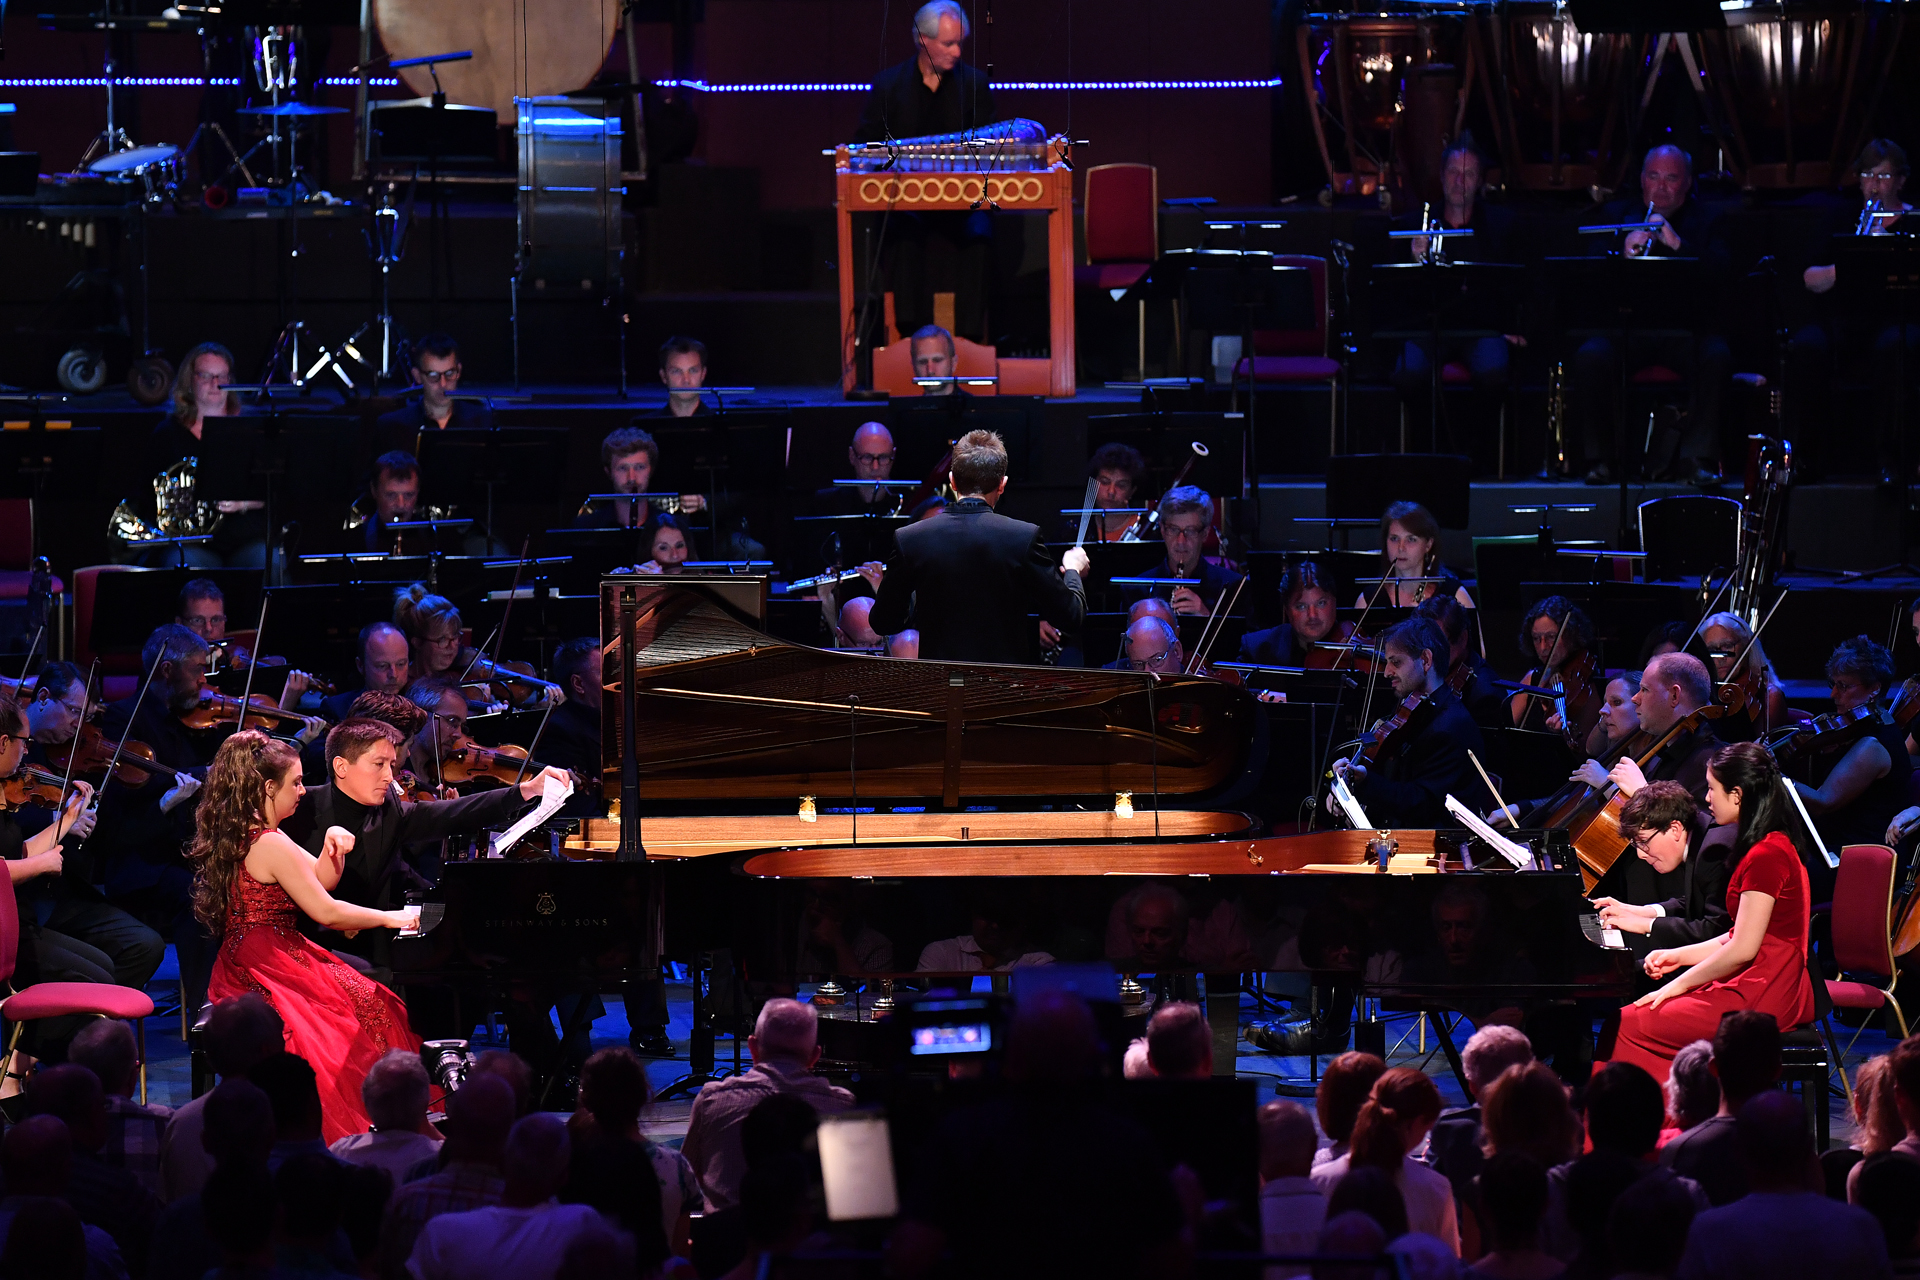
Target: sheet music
point(1349, 807)
point(1518, 854)
point(553, 794)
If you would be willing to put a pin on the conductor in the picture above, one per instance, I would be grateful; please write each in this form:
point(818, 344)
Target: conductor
point(968, 579)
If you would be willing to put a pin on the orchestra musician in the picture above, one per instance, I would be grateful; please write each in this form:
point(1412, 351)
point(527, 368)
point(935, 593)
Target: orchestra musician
point(436, 374)
point(386, 706)
point(571, 739)
point(630, 457)
point(1480, 695)
point(1811, 351)
point(1117, 471)
point(666, 549)
point(1556, 634)
point(904, 644)
point(683, 368)
point(383, 661)
point(968, 578)
point(871, 455)
point(1408, 788)
point(1149, 607)
point(1410, 548)
point(1855, 793)
point(1485, 359)
point(392, 497)
point(1153, 644)
point(1762, 963)
point(854, 630)
point(240, 537)
point(1686, 230)
point(933, 353)
point(1618, 719)
point(933, 92)
point(1673, 687)
point(202, 609)
point(1726, 637)
point(1669, 834)
point(1186, 518)
point(1312, 616)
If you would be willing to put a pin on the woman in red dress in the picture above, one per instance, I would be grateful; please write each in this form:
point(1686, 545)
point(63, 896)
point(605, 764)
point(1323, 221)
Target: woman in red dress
point(1762, 963)
point(252, 885)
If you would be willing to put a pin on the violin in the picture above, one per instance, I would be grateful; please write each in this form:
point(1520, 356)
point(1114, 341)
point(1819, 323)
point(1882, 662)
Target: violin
point(20, 691)
point(469, 760)
point(1583, 693)
point(31, 784)
point(412, 789)
point(219, 709)
point(509, 680)
point(1824, 734)
point(135, 768)
point(1906, 703)
point(1394, 729)
point(1343, 650)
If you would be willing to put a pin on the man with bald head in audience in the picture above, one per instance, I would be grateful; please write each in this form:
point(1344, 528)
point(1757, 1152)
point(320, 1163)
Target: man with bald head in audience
point(785, 1045)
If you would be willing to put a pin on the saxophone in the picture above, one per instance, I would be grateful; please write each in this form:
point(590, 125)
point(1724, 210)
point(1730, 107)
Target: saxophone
point(177, 510)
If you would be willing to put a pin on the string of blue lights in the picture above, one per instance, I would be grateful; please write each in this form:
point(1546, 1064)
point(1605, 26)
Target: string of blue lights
point(699, 86)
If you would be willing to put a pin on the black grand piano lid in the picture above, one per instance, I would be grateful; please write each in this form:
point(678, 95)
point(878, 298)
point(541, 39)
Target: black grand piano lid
point(726, 710)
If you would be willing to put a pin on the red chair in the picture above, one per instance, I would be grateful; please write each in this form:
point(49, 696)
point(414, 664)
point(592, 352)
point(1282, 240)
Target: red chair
point(62, 999)
point(119, 673)
point(1121, 210)
point(16, 549)
point(1298, 357)
point(1862, 936)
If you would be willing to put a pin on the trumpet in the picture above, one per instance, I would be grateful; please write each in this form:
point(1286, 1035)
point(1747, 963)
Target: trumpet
point(178, 512)
point(665, 502)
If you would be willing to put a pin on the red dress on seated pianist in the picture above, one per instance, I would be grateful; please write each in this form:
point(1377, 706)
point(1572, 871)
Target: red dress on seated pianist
point(337, 1018)
point(1774, 982)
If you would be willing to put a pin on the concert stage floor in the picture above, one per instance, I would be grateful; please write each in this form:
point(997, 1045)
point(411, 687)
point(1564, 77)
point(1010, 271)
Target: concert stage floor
point(169, 1083)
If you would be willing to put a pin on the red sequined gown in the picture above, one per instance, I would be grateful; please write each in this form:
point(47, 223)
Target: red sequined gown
point(337, 1018)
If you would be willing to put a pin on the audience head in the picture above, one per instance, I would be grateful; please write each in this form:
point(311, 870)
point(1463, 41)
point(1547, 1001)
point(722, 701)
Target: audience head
point(613, 1090)
point(395, 1092)
point(240, 1207)
point(479, 1115)
point(237, 1126)
point(1904, 1065)
point(1775, 1144)
point(1351, 1233)
point(1419, 1256)
point(36, 1156)
point(932, 352)
point(1889, 1189)
point(1490, 1051)
point(1154, 645)
point(1746, 1056)
point(1370, 1190)
point(1287, 1140)
point(1052, 1039)
point(1672, 685)
point(1592, 1184)
point(1624, 1110)
point(1876, 1105)
point(241, 1032)
point(197, 393)
point(1116, 470)
point(395, 486)
point(535, 1158)
point(1693, 1094)
point(1179, 1042)
point(596, 1252)
point(1648, 1224)
point(776, 1204)
point(512, 1068)
point(382, 659)
point(780, 1124)
point(45, 1242)
point(311, 1187)
point(107, 1049)
point(290, 1085)
point(1526, 1109)
point(1397, 1114)
point(786, 1031)
point(979, 466)
point(1344, 1088)
point(855, 630)
point(73, 1094)
point(630, 456)
point(363, 1210)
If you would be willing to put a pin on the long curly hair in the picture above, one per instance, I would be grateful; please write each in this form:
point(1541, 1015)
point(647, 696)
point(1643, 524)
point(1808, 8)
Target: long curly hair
point(232, 805)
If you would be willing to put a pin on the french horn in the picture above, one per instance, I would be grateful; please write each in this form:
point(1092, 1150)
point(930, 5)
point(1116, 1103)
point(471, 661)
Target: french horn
point(178, 512)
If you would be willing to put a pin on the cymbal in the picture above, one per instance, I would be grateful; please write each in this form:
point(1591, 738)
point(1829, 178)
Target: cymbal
point(134, 158)
point(117, 22)
point(293, 109)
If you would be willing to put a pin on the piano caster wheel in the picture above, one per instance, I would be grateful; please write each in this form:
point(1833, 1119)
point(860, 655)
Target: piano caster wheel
point(830, 993)
point(1132, 994)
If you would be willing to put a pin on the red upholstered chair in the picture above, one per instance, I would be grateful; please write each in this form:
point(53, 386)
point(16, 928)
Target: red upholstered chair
point(1121, 209)
point(16, 549)
point(1298, 357)
point(119, 673)
point(893, 367)
point(1862, 936)
point(62, 999)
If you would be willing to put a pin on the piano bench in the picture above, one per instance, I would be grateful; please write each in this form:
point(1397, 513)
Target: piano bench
point(199, 1062)
point(1806, 1059)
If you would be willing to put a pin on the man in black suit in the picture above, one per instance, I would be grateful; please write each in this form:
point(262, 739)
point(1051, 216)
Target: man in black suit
point(969, 578)
point(1409, 787)
point(571, 739)
point(1664, 822)
point(933, 92)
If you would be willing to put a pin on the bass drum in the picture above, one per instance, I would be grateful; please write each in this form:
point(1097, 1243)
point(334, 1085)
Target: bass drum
point(565, 42)
point(1796, 81)
point(1390, 82)
point(1559, 120)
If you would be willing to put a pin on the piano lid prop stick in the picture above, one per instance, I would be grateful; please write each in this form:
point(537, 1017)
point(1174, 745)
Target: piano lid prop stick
point(1086, 509)
point(1505, 808)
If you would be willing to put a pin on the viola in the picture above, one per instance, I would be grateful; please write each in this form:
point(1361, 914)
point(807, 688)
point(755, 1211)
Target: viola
point(219, 709)
point(31, 784)
point(1824, 734)
point(136, 765)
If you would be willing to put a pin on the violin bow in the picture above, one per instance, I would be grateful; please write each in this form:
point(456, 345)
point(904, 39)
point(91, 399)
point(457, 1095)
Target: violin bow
point(1210, 633)
point(126, 733)
point(534, 745)
point(73, 751)
point(28, 664)
point(500, 632)
point(246, 690)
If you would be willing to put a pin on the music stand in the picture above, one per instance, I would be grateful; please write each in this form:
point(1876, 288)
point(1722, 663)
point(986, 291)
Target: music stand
point(1436, 298)
point(594, 552)
point(748, 448)
point(128, 606)
point(1440, 482)
point(1625, 298)
point(1878, 277)
point(241, 458)
point(462, 459)
point(1244, 291)
point(41, 462)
